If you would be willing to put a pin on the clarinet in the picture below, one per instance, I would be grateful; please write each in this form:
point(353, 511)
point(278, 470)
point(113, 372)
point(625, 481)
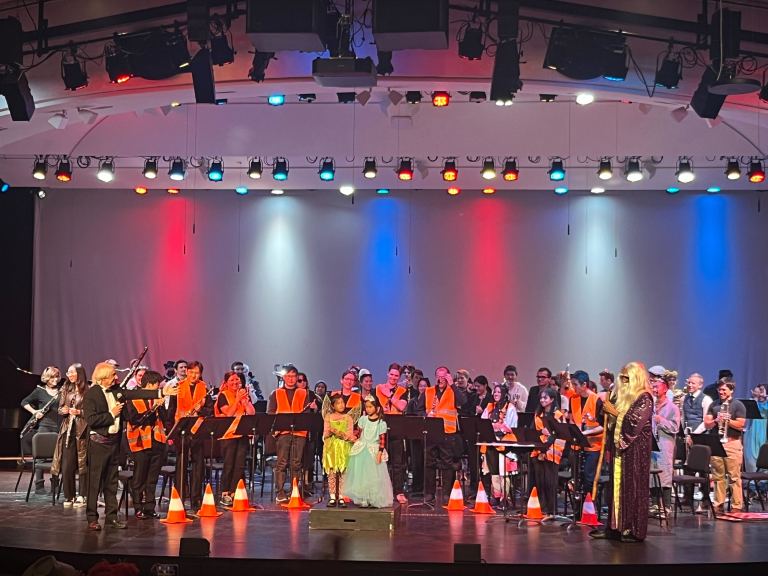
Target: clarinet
point(33, 421)
point(70, 422)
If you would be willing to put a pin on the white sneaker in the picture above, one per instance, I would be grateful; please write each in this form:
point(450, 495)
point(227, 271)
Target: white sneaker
point(67, 503)
point(79, 502)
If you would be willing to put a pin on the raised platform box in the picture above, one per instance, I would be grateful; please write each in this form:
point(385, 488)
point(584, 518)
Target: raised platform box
point(352, 518)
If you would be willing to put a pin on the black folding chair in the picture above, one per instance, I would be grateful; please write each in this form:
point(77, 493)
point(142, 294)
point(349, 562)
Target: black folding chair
point(761, 475)
point(43, 445)
point(698, 466)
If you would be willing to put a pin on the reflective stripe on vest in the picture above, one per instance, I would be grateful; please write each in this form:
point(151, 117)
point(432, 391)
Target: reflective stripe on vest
point(590, 411)
point(445, 408)
point(386, 403)
point(140, 437)
point(294, 407)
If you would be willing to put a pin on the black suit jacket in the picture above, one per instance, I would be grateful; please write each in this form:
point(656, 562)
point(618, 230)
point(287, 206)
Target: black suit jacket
point(96, 409)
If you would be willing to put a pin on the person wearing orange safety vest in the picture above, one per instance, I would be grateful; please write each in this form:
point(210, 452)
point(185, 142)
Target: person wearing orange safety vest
point(503, 416)
point(546, 462)
point(392, 399)
point(442, 401)
point(147, 442)
point(233, 400)
point(587, 413)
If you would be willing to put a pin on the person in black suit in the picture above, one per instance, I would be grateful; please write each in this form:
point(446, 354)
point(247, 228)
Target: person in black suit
point(102, 406)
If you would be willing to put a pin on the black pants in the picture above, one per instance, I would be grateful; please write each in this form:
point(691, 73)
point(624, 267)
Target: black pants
point(473, 457)
point(396, 451)
point(234, 452)
point(146, 470)
point(194, 454)
point(69, 468)
point(546, 484)
point(103, 460)
point(417, 465)
point(289, 448)
point(441, 454)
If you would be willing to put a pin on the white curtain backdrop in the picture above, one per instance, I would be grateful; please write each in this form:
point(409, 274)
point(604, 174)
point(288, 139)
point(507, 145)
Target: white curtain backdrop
point(471, 282)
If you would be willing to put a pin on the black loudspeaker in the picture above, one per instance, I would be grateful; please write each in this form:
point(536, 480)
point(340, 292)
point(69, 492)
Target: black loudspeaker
point(11, 49)
point(466, 554)
point(194, 548)
point(18, 97)
point(727, 44)
point(202, 77)
point(278, 26)
point(405, 24)
point(704, 103)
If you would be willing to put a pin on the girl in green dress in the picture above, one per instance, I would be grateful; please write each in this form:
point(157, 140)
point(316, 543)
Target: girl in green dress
point(338, 435)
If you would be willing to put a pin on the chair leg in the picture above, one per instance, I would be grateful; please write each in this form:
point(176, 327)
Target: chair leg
point(675, 489)
point(18, 480)
point(54, 489)
point(31, 479)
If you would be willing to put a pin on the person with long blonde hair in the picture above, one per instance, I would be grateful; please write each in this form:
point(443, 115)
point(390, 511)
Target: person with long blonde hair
point(630, 444)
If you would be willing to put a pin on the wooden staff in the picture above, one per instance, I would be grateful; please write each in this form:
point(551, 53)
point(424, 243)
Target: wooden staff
point(608, 410)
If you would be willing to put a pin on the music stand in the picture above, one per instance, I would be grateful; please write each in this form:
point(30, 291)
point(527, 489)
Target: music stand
point(212, 429)
point(181, 430)
point(260, 406)
point(414, 428)
point(473, 431)
point(711, 440)
point(524, 419)
point(253, 426)
point(573, 436)
point(297, 422)
point(753, 412)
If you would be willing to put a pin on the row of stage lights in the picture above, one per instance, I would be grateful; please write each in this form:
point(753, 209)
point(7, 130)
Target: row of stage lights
point(450, 173)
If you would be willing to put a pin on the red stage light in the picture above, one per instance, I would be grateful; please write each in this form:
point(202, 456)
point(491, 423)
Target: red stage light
point(510, 172)
point(489, 190)
point(140, 190)
point(405, 171)
point(122, 78)
point(449, 172)
point(173, 190)
point(440, 99)
point(454, 190)
point(756, 172)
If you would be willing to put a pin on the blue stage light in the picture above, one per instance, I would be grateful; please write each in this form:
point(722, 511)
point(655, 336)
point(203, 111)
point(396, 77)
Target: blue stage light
point(276, 99)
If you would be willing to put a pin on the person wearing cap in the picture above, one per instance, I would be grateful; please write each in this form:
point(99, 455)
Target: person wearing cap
point(586, 412)
point(665, 424)
point(518, 394)
point(391, 397)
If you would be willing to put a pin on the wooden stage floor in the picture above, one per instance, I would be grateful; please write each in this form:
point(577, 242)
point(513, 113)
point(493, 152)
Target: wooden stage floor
point(422, 542)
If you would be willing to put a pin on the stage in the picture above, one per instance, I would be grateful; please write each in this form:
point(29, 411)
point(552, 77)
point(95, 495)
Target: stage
point(422, 541)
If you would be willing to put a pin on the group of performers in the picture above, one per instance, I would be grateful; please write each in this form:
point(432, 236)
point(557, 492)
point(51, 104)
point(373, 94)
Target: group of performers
point(365, 459)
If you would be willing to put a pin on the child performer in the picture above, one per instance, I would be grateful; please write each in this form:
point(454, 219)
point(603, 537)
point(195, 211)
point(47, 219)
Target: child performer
point(368, 482)
point(147, 441)
point(547, 460)
point(338, 435)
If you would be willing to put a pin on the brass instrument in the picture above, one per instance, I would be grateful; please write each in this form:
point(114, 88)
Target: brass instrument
point(723, 417)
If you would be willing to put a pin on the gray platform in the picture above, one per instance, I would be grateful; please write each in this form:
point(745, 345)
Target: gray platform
point(353, 518)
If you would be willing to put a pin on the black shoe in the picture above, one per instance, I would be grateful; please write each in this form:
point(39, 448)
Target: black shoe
point(281, 498)
point(140, 515)
point(599, 534)
point(119, 524)
point(332, 503)
point(94, 526)
point(629, 538)
point(149, 515)
point(342, 503)
point(429, 499)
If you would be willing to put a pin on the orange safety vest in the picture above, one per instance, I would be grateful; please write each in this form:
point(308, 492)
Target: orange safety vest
point(294, 407)
point(444, 408)
point(140, 437)
point(555, 452)
point(231, 397)
point(187, 400)
point(587, 418)
point(386, 403)
point(508, 437)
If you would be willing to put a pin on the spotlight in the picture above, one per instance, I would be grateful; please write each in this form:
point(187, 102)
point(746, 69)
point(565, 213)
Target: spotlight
point(503, 99)
point(254, 169)
point(489, 169)
point(489, 190)
point(713, 189)
point(221, 51)
point(307, 97)
point(369, 169)
point(505, 81)
point(584, 98)
point(449, 172)
point(472, 42)
point(277, 191)
point(510, 172)
point(547, 97)
point(605, 171)
point(669, 74)
point(441, 99)
point(116, 62)
point(40, 169)
point(673, 190)
point(454, 190)
point(556, 171)
point(4, 186)
point(413, 97)
point(280, 169)
point(585, 54)
point(615, 63)
point(733, 170)
point(276, 99)
point(405, 170)
point(177, 50)
point(64, 171)
point(150, 168)
point(756, 173)
point(40, 193)
point(178, 170)
point(216, 171)
point(141, 190)
point(382, 191)
point(597, 190)
point(345, 97)
point(477, 96)
point(242, 190)
point(327, 170)
point(257, 73)
point(106, 171)
point(684, 171)
point(384, 66)
point(73, 70)
point(632, 170)
point(347, 190)
point(173, 190)
point(560, 190)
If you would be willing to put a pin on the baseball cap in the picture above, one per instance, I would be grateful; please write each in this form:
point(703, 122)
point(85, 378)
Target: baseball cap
point(657, 370)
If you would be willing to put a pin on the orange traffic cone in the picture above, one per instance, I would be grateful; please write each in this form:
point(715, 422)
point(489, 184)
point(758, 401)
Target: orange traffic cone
point(481, 502)
point(241, 503)
point(533, 508)
point(296, 501)
point(208, 509)
point(588, 514)
point(176, 514)
point(456, 501)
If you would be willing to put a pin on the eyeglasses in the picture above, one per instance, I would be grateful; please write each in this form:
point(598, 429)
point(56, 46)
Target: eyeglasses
point(624, 377)
point(300, 380)
point(541, 377)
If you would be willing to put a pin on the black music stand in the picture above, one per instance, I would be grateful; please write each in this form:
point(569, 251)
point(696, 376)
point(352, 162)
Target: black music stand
point(253, 426)
point(212, 429)
point(473, 431)
point(180, 431)
point(415, 428)
point(524, 419)
point(573, 436)
point(297, 422)
point(753, 412)
point(260, 406)
point(711, 440)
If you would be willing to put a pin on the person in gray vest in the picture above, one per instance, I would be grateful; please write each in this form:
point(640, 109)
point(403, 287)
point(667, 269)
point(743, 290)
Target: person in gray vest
point(695, 405)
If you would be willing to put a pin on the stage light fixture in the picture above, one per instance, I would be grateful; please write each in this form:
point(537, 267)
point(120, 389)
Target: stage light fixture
point(756, 173)
point(449, 172)
point(615, 66)
point(40, 170)
point(4, 186)
point(713, 189)
point(504, 99)
point(221, 50)
point(64, 170)
point(505, 81)
point(764, 92)
point(106, 172)
point(510, 172)
point(178, 169)
point(259, 66)
point(547, 97)
point(471, 42)
point(597, 190)
point(405, 170)
point(41, 193)
point(632, 171)
point(277, 191)
point(488, 171)
point(309, 97)
point(241, 190)
point(280, 169)
point(489, 190)
point(413, 97)
point(178, 53)
point(561, 190)
point(673, 190)
point(327, 170)
point(684, 171)
point(141, 190)
point(73, 70)
point(116, 63)
point(669, 74)
point(440, 99)
point(585, 98)
point(583, 54)
point(384, 63)
point(173, 190)
point(605, 171)
point(454, 190)
point(732, 169)
point(556, 171)
point(216, 171)
point(347, 189)
point(150, 168)
point(477, 96)
point(382, 191)
point(369, 169)
point(346, 97)
point(276, 99)
point(254, 169)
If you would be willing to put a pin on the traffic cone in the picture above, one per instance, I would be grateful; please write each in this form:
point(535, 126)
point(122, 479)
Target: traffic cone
point(588, 514)
point(208, 509)
point(533, 508)
point(456, 501)
point(481, 502)
point(241, 503)
point(176, 513)
point(295, 501)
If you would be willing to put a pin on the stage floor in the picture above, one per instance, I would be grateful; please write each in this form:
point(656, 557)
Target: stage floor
point(420, 537)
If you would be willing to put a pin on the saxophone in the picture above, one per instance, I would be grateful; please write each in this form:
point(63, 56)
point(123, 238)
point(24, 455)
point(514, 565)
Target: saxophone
point(722, 421)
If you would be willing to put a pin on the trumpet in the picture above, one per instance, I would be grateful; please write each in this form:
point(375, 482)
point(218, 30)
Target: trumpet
point(722, 421)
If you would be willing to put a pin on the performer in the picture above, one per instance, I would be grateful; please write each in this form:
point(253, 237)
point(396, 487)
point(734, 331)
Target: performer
point(102, 406)
point(348, 383)
point(543, 380)
point(148, 445)
point(289, 445)
point(727, 416)
point(607, 380)
point(367, 479)
point(233, 400)
point(192, 400)
point(69, 457)
point(338, 435)
point(630, 445)
point(518, 393)
point(391, 397)
point(755, 435)
point(547, 460)
point(48, 419)
point(308, 457)
point(503, 416)
point(366, 382)
point(665, 424)
point(587, 413)
point(251, 384)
